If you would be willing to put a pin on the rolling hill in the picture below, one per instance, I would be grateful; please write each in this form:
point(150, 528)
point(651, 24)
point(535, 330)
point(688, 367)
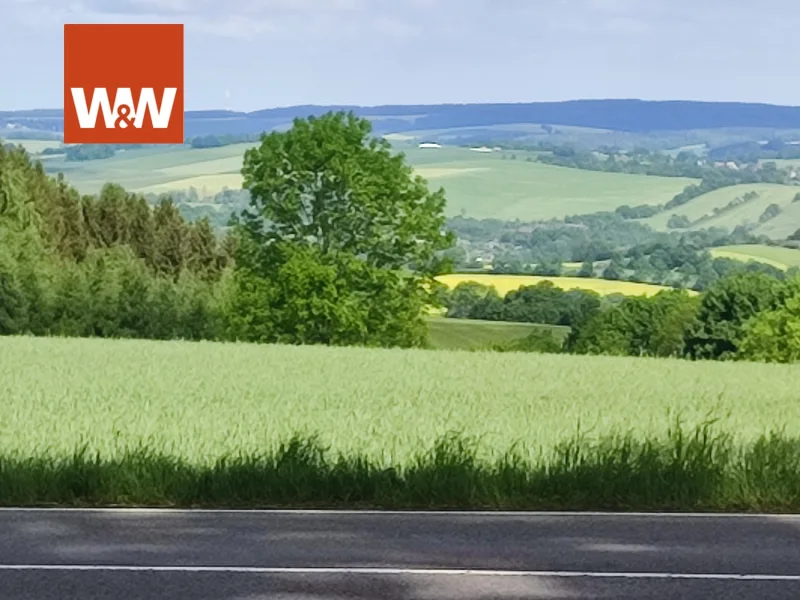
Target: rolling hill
point(700, 211)
point(490, 186)
point(493, 185)
point(777, 256)
point(157, 170)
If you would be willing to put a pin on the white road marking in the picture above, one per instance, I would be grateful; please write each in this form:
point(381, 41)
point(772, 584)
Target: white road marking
point(390, 571)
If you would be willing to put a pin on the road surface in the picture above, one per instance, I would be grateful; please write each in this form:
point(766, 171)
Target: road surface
point(229, 555)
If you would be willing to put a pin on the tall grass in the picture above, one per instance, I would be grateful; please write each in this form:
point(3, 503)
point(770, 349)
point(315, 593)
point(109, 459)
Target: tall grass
point(126, 422)
point(686, 470)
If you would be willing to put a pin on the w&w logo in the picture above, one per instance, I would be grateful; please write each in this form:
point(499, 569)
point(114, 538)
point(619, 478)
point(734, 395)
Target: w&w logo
point(123, 84)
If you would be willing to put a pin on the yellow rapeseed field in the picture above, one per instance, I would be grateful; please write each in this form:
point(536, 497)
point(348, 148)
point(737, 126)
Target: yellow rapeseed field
point(508, 283)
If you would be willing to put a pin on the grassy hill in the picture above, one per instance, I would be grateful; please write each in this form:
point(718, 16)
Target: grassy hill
point(158, 169)
point(468, 334)
point(747, 212)
point(508, 283)
point(785, 224)
point(36, 146)
point(782, 258)
point(479, 185)
point(491, 186)
point(785, 163)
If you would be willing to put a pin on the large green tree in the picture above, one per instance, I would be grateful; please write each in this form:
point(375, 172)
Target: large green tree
point(774, 335)
point(638, 326)
point(725, 307)
point(341, 240)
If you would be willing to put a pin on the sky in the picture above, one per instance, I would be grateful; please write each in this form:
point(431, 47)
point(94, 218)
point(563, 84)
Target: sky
point(253, 54)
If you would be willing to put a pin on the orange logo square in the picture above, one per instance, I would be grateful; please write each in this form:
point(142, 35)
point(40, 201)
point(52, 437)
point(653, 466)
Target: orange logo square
point(123, 84)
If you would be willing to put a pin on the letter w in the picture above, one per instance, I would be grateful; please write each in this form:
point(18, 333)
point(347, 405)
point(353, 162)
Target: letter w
point(87, 117)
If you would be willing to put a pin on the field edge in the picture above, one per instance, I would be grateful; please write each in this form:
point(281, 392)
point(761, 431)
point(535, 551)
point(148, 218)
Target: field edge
point(686, 471)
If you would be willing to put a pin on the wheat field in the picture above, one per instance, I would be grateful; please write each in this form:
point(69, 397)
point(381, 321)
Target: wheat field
point(201, 401)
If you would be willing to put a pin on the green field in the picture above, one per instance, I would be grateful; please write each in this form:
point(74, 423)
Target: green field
point(749, 212)
point(467, 334)
point(91, 422)
point(35, 146)
point(785, 224)
point(782, 258)
point(481, 185)
point(785, 162)
point(158, 170)
point(114, 396)
point(488, 186)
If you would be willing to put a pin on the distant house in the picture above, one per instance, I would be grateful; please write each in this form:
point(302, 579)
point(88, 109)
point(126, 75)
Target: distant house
point(429, 145)
point(481, 149)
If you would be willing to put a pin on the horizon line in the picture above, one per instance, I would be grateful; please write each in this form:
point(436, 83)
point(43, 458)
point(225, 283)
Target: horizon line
point(447, 104)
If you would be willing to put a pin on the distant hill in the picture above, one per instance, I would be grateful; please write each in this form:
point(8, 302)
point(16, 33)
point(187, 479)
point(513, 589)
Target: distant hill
point(635, 116)
point(739, 205)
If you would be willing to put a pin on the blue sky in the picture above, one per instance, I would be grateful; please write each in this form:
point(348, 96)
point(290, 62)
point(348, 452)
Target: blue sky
point(251, 54)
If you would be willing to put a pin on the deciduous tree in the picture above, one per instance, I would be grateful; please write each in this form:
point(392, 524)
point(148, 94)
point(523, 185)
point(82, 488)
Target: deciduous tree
point(344, 234)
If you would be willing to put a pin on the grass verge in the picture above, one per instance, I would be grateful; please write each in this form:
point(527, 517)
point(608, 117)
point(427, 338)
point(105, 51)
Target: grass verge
point(696, 470)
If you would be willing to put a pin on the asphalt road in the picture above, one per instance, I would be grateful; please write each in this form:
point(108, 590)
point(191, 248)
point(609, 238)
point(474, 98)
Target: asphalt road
point(394, 556)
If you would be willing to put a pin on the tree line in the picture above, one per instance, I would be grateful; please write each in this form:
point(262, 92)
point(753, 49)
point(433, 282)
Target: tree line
point(638, 161)
point(743, 316)
point(333, 252)
point(84, 152)
point(752, 151)
point(107, 265)
point(606, 245)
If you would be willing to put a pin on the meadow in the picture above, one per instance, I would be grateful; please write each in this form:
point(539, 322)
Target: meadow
point(89, 421)
point(508, 283)
point(159, 170)
point(749, 212)
point(786, 162)
point(777, 256)
point(479, 185)
point(499, 187)
point(473, 334)
point(37, 146)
